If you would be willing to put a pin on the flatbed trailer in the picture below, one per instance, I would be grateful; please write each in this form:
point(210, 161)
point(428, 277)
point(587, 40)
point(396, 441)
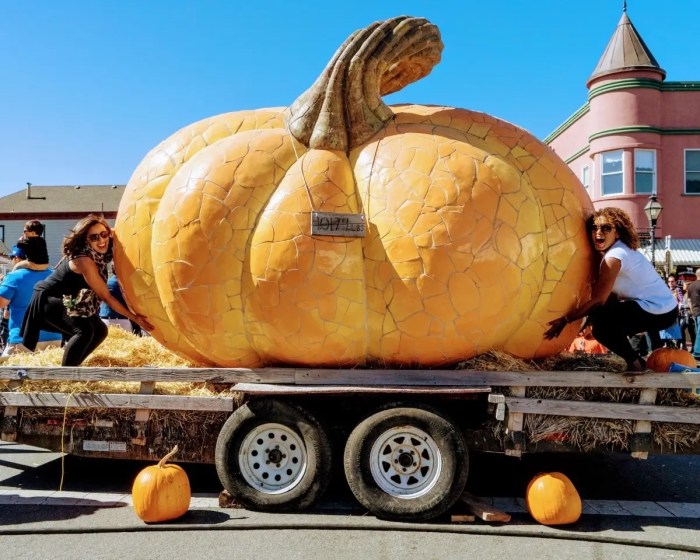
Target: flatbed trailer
point(404, 435)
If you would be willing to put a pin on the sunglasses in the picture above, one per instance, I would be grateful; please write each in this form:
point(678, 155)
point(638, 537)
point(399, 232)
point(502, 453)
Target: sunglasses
point(94, 237)
point(605, 228)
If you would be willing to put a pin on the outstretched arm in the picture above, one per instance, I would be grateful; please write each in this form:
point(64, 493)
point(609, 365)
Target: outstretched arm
point(87, 267)
point(602, 288)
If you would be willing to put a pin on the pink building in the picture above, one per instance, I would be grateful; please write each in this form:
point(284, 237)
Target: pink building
point(636, 136)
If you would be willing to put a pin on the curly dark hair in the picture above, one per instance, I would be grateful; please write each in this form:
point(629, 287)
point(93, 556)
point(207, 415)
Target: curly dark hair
point(622, 222)
point(76, 242)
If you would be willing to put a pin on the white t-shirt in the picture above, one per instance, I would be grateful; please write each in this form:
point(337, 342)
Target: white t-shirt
point(639, 281)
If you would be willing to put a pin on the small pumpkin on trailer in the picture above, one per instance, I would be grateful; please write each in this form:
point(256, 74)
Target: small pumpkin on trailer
point(552, 499)
point(161, 492)
point(661, 359)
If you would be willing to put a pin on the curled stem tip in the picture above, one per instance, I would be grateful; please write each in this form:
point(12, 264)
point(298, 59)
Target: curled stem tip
point(344, 107)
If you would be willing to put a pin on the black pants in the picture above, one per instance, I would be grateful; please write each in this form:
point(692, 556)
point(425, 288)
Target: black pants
point(81, 335)
point(4, 330)
point(687, 323)
point(617, 320)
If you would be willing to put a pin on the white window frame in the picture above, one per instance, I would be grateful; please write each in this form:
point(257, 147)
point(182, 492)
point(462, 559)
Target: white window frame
point(652, 173)
point(686, 171)
point(586, 177)
point(603, 174)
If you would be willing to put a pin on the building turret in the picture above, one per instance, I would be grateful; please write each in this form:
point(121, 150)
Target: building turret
point(626, 53)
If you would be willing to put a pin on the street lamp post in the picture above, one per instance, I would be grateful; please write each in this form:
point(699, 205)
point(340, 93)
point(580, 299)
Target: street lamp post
point(652, 210)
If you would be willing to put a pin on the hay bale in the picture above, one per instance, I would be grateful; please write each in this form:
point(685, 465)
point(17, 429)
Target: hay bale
point(120, 349)
point(497, 361)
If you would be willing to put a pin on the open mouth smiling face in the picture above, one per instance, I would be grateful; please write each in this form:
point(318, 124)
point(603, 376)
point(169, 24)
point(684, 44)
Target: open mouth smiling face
point(98, 238)
point(603, 235)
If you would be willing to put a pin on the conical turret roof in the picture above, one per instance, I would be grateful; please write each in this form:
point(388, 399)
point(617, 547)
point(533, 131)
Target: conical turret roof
point(626, 51)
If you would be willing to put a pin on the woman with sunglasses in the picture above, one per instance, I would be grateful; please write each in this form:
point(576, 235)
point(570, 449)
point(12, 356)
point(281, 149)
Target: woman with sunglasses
point(68, 300)
point(628, 296)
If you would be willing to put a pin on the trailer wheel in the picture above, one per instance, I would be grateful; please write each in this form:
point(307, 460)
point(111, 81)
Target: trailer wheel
point(273, 456)
point(406, 463)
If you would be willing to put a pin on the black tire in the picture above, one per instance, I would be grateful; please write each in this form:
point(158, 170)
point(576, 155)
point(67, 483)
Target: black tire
point(385, 442)
point(295, 458)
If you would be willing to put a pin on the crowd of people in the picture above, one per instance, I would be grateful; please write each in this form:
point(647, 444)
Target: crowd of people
point(62, 306)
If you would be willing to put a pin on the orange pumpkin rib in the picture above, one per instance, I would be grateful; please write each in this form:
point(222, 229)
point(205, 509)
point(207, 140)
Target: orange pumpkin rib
point(447, 225)
point(139, 204)
point(306, 300)
point(562, 202)
point(202, 235)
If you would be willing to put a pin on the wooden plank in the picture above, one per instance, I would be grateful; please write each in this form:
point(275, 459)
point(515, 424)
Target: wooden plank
point(648, 397)
point(462, 518)
point(484, 510)
point(265, 389)
point(685, 415)
point(515, 421)
point(142, 414)
point(353, 377)
point(103, 400)
point(475, 378)
point(211, 375)
point(11, 410)
point(9, 424)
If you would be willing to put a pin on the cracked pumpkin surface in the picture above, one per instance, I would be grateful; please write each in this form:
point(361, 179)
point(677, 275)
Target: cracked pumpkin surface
point(475, 239)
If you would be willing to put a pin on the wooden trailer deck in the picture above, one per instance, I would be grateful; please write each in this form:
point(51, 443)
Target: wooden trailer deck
point(505, 390)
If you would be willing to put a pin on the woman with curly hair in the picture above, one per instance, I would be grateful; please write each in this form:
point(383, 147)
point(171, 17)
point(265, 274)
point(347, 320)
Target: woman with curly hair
point(628, 295)
point(68, 300)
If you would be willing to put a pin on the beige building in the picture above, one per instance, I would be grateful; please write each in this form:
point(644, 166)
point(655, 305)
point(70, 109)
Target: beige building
point(58, 208)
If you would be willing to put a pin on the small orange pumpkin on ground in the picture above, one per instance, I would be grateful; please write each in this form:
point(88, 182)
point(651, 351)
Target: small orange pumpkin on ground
point(161, 492)
point(552, 499)
point(661, 359)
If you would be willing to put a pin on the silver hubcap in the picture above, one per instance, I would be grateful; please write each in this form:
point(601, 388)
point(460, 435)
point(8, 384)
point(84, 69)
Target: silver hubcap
point(405, 462)
point(272, 458)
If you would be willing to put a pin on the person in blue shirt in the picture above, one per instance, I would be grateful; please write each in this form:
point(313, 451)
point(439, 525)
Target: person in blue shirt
point(15, 292)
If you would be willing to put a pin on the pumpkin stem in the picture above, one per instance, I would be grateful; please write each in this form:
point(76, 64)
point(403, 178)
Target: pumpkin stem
point(165, 459)
point(344, 107)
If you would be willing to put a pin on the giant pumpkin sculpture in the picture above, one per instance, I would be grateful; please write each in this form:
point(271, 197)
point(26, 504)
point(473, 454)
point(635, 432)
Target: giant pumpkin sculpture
point(475, 234)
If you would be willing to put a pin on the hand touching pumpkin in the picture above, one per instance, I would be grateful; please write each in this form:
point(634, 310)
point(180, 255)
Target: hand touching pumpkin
point(475, 229)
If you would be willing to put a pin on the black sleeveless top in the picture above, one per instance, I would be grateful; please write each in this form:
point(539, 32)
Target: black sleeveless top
point(62, 281)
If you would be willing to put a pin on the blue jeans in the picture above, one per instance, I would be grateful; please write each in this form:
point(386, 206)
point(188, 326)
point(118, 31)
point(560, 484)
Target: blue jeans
point(696, 346)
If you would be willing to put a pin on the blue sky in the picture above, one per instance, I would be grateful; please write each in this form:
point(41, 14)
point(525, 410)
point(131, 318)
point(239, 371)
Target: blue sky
point(87, 88)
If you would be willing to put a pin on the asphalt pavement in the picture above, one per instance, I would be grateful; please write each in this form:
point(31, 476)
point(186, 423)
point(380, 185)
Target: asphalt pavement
point(40, 522)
